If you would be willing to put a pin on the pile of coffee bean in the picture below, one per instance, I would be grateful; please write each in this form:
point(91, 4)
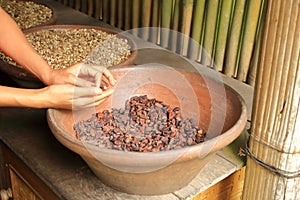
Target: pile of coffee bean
point(144, 125)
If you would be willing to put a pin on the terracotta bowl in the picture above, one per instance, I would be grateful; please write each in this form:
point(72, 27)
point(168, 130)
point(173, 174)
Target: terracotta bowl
point(26, 79)
point(218, 108)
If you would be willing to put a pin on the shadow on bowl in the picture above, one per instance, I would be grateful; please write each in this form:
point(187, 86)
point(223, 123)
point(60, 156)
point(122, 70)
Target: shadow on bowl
point(216, 108)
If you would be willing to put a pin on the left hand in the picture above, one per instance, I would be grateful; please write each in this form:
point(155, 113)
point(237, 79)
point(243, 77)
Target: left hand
point(81, 75)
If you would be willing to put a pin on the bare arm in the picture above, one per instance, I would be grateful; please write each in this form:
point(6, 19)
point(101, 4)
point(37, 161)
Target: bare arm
point(14, 44)
point(54, 96)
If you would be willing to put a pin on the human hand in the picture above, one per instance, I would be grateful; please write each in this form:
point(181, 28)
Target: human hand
point(67, 96)
point(81, 75)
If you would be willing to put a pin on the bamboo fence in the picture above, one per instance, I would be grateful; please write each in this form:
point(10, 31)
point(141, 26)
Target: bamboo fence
point(273, 162)
point(217, 33)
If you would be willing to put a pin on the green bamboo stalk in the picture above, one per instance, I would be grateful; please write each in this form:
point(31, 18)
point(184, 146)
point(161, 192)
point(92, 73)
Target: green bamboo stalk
point(222, 34)
point(252, 20)
point(71, 3)
point(98, 9)
point(113, 13)
point(166, 15)
point(232, 48)
point(210, 31)
point(120, 23)
point(282, 30)
point(185, 29)
point(90, 10)
point(197, 29)
point(106, 11)
point(128, 8)
point(135, 16)
point(174, 34)
point(84, 6)
point(146, 15)
point(77, 4)
point(155, 18)
point(256, 54)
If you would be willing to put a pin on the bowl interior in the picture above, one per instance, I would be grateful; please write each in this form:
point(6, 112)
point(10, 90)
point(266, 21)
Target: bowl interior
point(213, 106)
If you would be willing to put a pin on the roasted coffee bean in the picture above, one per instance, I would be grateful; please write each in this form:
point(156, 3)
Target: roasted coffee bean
point(143, 125)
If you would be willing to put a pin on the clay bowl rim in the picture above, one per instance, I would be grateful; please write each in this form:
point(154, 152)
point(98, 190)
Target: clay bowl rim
point(21, 73)
point(188, 152)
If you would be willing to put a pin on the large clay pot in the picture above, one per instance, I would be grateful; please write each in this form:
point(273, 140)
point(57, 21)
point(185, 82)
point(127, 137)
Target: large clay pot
point(26, 79)
point(220, 110)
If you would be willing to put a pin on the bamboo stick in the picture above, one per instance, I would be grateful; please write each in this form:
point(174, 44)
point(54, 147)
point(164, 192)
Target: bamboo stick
point(210, 32)
point(197, 29)
point(174, 34)
point(71, 3)
point(186, 21)
point(106, 11)
point(98, 9)
point(252, 20)
point(155, 18)
point(254, 62)
point(120, 21)
point(90, 10)
point(113, 13)
point(232, 48)
point(281, 116)
point(145, 22)
point(65, 2)
point(128, 8)
point(166, 14)
point(222, 34)
point(84, 6)
point(135, 16)
point(77, 4)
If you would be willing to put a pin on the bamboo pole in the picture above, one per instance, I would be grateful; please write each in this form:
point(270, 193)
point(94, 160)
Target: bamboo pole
point(77, 4)
point(98, 9)
point(197, 30)
point(166, 14)
point(252, 22)
point(71, 3)
point(174, 34)
point(276, 115)
point(106, 11)
point(113, 13)
point(222, 33)
point(210, 30)
point(185, 29)
point(135, 16)
point(155, 18)
point(256, 54)
point(120, 15)
point(83, 7)
point(90, 10)
point(128, 8)
point(232, 48)
point(146, 16)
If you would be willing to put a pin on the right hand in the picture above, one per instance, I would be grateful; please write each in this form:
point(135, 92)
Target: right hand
point(67, 96)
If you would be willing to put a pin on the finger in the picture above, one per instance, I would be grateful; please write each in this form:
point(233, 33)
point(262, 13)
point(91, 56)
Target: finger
point(109, 76)
point(80, 92)
point(85, 102)
point(92, 73)
point(85, 82)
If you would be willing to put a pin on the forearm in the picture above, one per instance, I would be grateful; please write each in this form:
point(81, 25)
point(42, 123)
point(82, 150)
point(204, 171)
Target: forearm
point(14, 44)
point(18, 97)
